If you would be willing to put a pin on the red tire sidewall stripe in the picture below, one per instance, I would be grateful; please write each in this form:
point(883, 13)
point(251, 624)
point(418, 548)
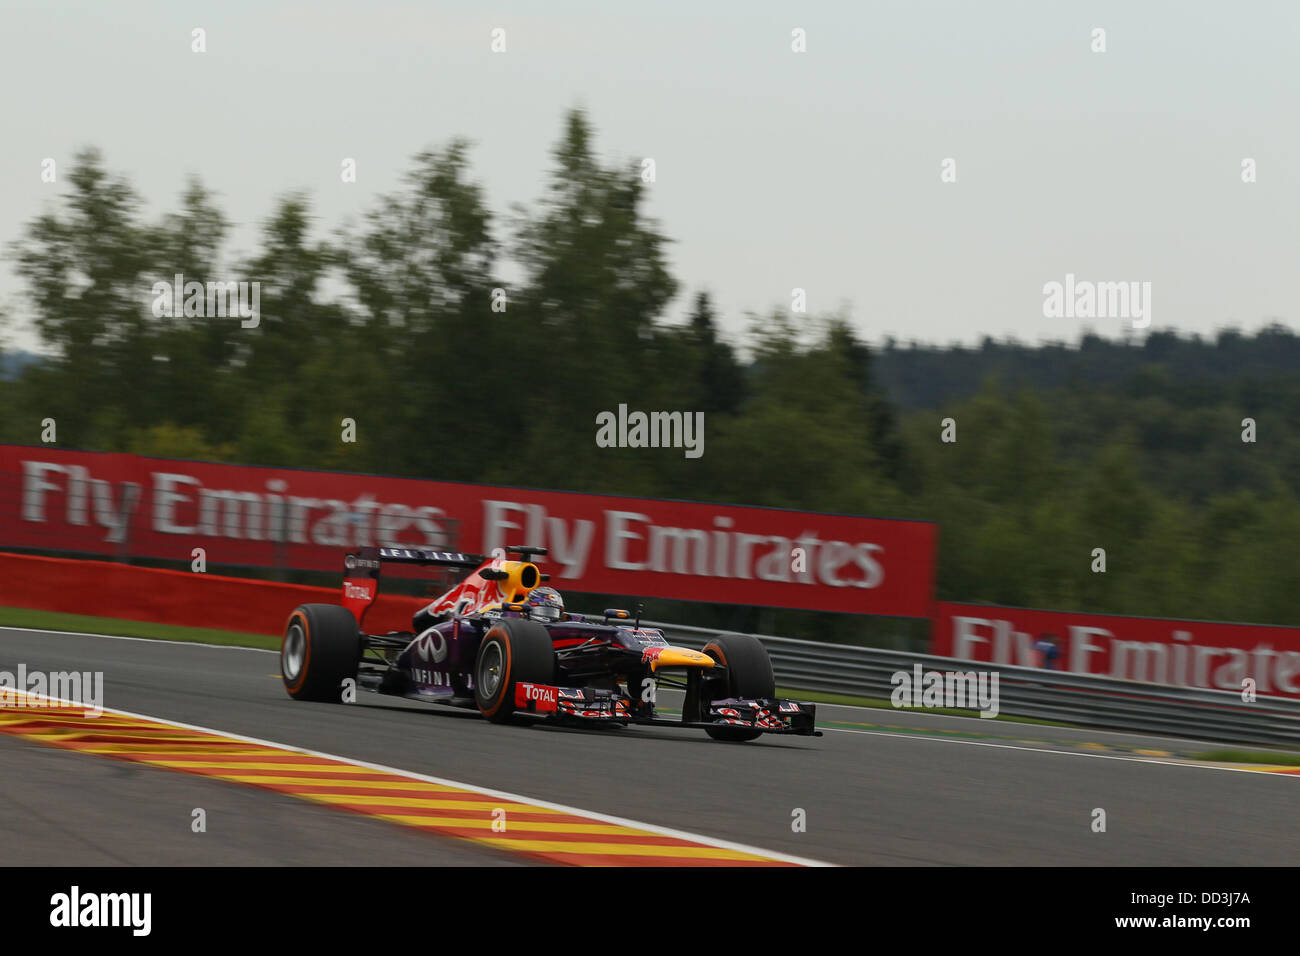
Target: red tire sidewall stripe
point(306, 650)
point(501, 636)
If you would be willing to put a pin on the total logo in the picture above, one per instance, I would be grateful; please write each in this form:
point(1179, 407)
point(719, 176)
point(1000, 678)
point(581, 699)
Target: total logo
point(544, 697)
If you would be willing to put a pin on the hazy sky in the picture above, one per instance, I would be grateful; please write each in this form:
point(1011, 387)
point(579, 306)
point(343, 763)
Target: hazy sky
point(775, 169)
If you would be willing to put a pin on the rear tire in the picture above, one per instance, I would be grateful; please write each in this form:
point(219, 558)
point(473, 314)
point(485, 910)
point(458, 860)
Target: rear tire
point(512, 652)
point(749, 675)
point(320, 650)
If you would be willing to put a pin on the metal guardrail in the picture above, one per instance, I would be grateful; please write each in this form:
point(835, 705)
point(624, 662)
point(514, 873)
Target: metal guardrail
point(1212, 715)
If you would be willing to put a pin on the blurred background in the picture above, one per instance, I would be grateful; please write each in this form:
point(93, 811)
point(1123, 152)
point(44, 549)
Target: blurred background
point(523, 170)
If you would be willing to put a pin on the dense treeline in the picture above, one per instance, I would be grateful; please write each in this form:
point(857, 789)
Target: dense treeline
point(1134, 447)
point(916, 375)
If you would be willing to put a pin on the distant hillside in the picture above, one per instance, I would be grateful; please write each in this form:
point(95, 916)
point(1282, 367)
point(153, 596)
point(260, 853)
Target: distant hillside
point(12, 363)
point(925, 376)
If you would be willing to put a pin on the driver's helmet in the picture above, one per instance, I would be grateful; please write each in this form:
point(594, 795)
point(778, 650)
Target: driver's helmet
point(545, 604)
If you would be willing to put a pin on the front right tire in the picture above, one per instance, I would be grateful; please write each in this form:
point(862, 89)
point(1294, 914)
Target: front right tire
point(512, 652)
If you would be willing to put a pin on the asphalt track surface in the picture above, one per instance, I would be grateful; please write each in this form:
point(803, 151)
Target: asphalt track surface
point(880, 788)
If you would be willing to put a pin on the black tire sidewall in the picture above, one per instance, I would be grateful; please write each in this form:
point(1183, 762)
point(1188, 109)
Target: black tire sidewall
point(749, 675)
point(527, 657)
point(332, 648)
point(489, 706)
point(749, 669)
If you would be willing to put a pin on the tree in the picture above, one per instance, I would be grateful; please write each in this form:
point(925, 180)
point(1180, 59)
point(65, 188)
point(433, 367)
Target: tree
point(89, 277)
point(596, 281)
point(721, 380)
point(423, 271)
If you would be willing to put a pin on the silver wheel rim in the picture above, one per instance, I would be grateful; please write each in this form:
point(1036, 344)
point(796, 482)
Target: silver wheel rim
point(489, 670)
point(295, 646)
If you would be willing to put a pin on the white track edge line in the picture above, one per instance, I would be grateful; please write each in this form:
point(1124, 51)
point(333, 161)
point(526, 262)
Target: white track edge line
point(151, 640)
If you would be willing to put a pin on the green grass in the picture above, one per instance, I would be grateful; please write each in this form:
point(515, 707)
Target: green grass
point(1250, 756)
point(58, 621)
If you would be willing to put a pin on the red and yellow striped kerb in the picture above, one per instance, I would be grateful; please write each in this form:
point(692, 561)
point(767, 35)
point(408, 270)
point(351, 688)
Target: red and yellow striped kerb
point(538, 831)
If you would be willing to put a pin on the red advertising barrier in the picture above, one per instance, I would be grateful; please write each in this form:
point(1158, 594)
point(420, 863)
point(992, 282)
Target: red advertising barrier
point(118, 504)
point(1185, 653)
point(106, 589)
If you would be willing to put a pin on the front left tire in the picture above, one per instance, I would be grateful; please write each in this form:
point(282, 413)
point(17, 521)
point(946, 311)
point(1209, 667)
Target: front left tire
point(320, 650)
point(749, 675)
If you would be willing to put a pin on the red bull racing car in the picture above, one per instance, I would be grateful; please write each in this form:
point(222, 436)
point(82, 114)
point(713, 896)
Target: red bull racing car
point(500, 641)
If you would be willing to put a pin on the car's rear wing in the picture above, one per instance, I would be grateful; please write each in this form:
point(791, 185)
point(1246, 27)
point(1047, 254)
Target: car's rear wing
point(444, 559)
point(361, 569)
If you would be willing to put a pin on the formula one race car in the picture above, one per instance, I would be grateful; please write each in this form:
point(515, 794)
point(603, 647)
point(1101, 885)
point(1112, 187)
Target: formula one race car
point(501, 641)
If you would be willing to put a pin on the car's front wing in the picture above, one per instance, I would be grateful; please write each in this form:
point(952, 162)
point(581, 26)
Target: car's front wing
point(768, 715)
